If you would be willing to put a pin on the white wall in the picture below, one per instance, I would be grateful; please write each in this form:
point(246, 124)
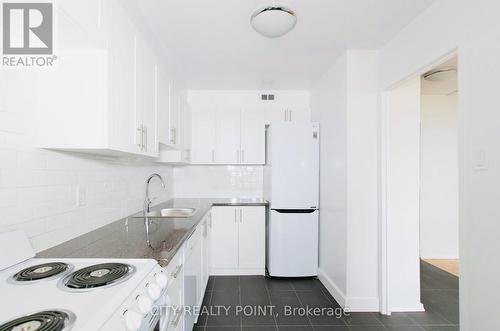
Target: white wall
point(328, 107)
point(219, 182)
point(38, 187)
point(344, 101)
point(473, 28)
point(439, 177)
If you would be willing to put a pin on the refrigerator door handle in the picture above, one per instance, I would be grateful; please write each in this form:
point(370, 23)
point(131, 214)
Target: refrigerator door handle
point(295, 211)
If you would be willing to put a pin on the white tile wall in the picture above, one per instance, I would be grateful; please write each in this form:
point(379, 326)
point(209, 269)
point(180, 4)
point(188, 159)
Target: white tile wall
point(219, 181)
point(38, 187)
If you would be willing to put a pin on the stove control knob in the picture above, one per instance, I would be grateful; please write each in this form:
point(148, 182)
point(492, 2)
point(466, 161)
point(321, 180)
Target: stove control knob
point(162, 280)
point(144, 303)
point(154, 291)
point(133, 320)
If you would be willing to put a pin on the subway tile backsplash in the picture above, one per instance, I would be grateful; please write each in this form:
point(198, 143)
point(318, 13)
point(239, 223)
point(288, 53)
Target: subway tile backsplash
point(219, 181)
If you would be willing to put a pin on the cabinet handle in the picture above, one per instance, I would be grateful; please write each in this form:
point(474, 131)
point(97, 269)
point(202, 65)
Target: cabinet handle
point(173, 136)
point(175, 274)
point(213, 155)
point(289, 115)
point(145, 139)
point(241, 215)
point(139, 137)
point(286, 115)
point(177, 317)
point(235, 215)
point(243, 156)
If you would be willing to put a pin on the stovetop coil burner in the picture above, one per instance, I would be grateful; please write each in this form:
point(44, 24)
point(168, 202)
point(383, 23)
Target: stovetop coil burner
point(50, 320)
point(41, 271)
point(97, 276)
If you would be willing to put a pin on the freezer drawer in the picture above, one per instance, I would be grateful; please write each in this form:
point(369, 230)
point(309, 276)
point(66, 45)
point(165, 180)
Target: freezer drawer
point(292, 243)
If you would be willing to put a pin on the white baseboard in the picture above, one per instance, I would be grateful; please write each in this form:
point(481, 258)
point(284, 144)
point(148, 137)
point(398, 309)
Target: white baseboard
point(363, 304)
point(416, 308)
point(354, 304)
point(337, 294)
point(237, 272)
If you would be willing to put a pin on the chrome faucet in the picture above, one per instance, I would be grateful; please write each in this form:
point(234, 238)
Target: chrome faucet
point(148, 200)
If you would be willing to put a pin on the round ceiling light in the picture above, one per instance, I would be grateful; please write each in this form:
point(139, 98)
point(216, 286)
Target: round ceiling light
point(273, 21)
point(441, 74)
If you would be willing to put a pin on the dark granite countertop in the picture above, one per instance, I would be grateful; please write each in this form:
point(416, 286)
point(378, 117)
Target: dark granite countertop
point(127, 238)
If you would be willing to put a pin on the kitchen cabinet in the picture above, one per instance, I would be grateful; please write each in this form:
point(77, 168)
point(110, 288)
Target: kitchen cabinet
point(238, 240)
point(228, 135)
point(163, 102)
point(101, 100)
point(253, 137)
point(145, 97)
point(279, 113)
point(205, 255)
point(192, 276)
point(203, 134)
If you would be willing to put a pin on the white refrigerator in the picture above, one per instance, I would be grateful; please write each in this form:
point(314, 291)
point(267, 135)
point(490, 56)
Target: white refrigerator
point(291, 185)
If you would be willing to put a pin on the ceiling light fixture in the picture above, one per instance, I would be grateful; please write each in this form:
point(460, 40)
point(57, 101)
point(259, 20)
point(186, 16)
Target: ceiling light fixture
point(440, 74)
point(273, 21)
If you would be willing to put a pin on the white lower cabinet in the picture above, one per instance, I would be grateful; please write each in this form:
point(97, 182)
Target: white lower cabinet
point(175, 293)
point(238, 240)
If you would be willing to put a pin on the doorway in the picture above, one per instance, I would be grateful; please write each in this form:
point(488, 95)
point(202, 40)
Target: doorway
point(411, 160)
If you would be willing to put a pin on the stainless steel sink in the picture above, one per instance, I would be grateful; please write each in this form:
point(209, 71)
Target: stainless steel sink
point(169, 213)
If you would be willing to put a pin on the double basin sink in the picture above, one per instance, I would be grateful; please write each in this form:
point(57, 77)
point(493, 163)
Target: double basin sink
point(168, 213)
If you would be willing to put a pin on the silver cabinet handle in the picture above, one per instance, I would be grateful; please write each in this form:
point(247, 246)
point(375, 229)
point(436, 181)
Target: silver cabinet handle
point(139, 137)
point(290, 115)
point(286, 115)
point(145, 139)
point(177, 317)
point(241, 215)
point(173, 136)
point(178, 269)
point(235, 215)
point(243, 156)
point(213, 155)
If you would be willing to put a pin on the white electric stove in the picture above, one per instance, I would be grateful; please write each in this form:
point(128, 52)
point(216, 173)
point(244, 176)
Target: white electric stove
point(78, 294)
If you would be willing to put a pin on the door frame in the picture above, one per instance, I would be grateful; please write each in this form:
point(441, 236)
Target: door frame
point(384, 173)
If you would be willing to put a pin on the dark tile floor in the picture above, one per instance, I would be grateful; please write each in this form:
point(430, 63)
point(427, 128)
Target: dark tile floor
point(280, 302)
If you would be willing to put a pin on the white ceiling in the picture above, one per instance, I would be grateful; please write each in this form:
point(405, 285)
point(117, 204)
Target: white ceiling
point(214, 44)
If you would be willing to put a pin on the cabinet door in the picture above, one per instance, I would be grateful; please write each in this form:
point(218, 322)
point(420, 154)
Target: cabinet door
point(192, 274)
point(186, 131)
point(203, 134)
point(122, 63)
point(299, 114)
point(253, 136)
point(252, 237)
point(228, 136)
point(146, 96)
point(224, 238)
point(274, 113)
point(175, 116)
point(205, 255)
point(163, 107)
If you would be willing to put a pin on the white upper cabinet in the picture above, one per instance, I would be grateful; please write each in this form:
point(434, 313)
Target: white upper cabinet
point(253, 136)
point(284, 113)
point(145, 95)
point(163, 91)
point(103, 98)
point(227, 131)
point(203, 134)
